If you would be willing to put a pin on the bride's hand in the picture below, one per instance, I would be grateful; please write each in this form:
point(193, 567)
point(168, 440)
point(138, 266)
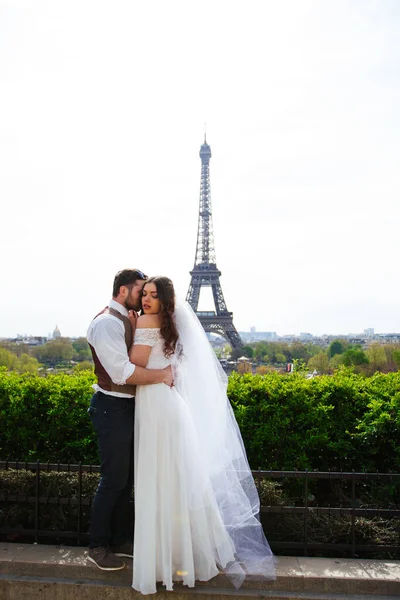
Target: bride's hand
point(133, 317)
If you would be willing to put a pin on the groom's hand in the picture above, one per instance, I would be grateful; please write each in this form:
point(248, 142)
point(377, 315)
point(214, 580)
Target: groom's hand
point(169, 378)
point(133, 317)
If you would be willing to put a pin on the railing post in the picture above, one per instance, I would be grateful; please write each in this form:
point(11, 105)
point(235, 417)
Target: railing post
point(305, 513)
point(37, 487)
point(353, 516)
point(79, 501)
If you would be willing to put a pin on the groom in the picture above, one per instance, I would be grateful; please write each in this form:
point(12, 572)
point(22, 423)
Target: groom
point(111, 410)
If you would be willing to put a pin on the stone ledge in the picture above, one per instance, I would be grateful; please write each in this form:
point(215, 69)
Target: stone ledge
point(53, 569)
point(23, 588)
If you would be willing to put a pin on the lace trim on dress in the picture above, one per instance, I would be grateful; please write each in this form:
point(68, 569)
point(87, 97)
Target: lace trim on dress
point(147, 336)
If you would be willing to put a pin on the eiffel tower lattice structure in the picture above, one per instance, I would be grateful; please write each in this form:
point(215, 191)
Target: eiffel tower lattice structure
point(205, 272)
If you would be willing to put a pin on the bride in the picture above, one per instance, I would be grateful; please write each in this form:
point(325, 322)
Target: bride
point(196, 505)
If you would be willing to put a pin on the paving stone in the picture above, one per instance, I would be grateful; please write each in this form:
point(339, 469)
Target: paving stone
point(380, 569)
point(32, 571)
point(9, 551)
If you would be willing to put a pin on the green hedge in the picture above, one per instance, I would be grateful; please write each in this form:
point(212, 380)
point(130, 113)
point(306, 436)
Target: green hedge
point(343, 421)
point(45, 418)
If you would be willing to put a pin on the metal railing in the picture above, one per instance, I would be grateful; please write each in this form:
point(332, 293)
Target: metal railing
point(302, 511)
point(353, 510)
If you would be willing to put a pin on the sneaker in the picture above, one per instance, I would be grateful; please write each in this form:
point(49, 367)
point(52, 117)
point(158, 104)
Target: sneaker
point(123, 550)
point(104, 559)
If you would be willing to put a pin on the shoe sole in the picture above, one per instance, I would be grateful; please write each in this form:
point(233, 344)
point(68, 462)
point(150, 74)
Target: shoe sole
point(105, 568)
point(123, 554)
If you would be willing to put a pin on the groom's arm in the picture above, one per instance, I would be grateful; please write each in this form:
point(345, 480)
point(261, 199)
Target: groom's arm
point(107, 336)
point(142, 376)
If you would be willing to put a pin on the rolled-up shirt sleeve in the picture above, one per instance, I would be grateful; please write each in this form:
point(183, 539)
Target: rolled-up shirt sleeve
point(107, 336)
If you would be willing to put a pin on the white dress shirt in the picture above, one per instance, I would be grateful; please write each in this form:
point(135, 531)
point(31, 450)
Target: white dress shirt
point(106, 334)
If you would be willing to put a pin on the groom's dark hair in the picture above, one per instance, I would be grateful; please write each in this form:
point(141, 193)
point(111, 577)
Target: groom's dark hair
point(126, 277)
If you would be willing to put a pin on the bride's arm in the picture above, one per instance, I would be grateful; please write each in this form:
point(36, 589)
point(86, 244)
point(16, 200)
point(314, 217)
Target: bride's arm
point(139, 354)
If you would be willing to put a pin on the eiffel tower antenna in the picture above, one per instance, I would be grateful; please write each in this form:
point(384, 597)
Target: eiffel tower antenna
point(205, 272)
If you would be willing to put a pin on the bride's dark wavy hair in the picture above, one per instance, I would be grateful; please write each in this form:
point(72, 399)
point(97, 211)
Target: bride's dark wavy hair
point(166, 296)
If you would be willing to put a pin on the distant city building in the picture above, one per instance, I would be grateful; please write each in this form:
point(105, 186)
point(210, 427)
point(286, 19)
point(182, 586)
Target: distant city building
point(289, 337)
point(364, 339)
point(28, 340)
point(356, 340)
point(258, 336)
point(389, 338)
point(244, 365)
point(305, 336)
point(56, 333)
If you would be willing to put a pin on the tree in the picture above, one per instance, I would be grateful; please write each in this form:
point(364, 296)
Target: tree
point(248, 351)
point(8, 359)
point(354, 356)
point(227, 350)
point(396, 357)
point(85, 365)
point(21, 364)
point(275, 348)
point(299, 366)
point(319, 362)
point(236, 353)
point(392, 352)
point(15, 348)
point(280, 358)
point(299, 350)
point(27, 364)
point(377, 357)
point(81, 349)
point(54, 352)
point(336, 361)
point(336, 347)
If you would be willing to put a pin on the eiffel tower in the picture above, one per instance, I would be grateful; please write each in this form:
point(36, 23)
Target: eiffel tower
point(205, 272)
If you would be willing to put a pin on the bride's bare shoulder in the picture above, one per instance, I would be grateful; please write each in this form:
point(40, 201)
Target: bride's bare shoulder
point(148, 322)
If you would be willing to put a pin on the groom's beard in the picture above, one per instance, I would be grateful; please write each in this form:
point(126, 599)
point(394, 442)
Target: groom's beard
point(130, 304)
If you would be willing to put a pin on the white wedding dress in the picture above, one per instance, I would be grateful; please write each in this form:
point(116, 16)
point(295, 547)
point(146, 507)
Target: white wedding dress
point(179, 533)
point(196, 504)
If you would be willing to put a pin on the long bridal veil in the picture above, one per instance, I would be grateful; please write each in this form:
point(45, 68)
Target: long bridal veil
point(202, 383)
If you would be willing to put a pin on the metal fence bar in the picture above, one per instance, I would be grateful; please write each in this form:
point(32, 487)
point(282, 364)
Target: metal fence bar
point(37, 484)
point(7, 464)
point(60, 467)
point(305, 513)
point(327, 475)
point(45, 533)
point(44, 500)
point(335, 511)
point(353, 516)
point(80, 503)
point(306, 510)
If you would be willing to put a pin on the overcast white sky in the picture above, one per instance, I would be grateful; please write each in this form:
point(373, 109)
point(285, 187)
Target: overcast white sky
point(102, 111)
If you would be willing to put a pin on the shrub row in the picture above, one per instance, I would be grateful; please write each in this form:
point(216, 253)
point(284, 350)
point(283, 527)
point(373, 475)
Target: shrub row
point(343, 421)
point(45, 418)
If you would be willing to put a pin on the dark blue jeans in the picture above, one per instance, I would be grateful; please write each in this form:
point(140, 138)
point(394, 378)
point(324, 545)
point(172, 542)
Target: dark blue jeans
point(112, 510)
